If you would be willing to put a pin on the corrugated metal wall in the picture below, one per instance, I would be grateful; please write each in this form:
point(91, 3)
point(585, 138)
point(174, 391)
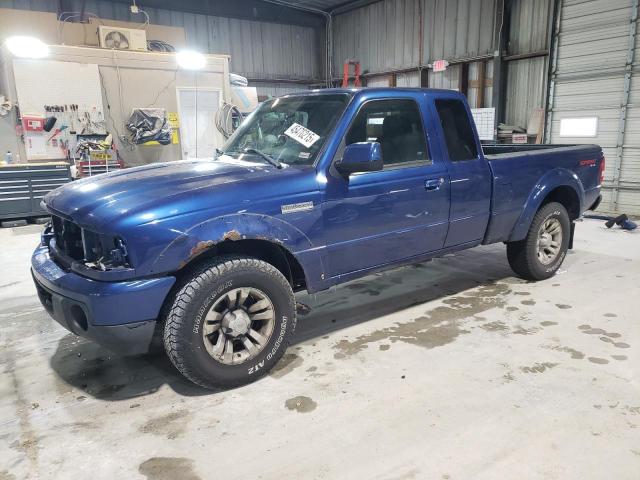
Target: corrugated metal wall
point(595, 45)
point(408, 79)
point(36, 5)
point(526, 78)
point(385, 35)
point(528, 31)
point(266, 89)
point(378, 81)
point(258, 49)
point(449, 79)
point(458, 29)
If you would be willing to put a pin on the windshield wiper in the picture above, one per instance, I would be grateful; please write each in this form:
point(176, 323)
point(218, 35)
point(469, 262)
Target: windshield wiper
point(268, 158)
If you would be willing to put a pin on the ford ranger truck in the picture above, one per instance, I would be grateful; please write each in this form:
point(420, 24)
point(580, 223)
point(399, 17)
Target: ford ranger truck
point(311, 191)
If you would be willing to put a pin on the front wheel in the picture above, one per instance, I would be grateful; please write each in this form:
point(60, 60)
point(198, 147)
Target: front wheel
point(543, 250)
point(230, 322)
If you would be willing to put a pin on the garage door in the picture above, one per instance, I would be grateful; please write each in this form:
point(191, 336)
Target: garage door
point(594, 94)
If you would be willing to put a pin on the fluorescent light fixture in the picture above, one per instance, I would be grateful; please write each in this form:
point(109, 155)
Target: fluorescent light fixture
point(191, 60)
point(579, 127)
point(27, 47)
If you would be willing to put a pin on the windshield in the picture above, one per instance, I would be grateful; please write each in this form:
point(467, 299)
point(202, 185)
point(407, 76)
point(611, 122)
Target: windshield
point(289, 130)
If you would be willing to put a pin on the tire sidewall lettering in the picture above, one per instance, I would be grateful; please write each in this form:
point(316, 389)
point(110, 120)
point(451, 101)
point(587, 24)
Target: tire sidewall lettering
point(555, 213)
point(283, 331)
point(276, 346)
point(207, 304)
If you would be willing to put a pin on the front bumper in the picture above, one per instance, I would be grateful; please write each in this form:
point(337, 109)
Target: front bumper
point(118, 315)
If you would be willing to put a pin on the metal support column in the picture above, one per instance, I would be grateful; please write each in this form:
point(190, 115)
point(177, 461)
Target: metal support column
point(622, 123)
point(553, 69)
point(501, 36)
point(482, 78)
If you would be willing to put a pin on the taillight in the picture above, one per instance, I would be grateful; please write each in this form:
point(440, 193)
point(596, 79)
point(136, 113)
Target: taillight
point(602, 162)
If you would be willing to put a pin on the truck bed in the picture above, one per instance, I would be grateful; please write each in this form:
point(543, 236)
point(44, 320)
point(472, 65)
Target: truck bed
point(496, 150)
point(519, 169)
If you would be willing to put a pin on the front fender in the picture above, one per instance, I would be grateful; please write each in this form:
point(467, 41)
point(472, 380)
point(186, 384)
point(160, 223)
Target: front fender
point(558, 177)
point(245, 226)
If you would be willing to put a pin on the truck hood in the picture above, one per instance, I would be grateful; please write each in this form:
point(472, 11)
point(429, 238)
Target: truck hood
point(102, 199)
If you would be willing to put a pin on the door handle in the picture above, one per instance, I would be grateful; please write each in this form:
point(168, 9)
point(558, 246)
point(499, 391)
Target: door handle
point(433, 184)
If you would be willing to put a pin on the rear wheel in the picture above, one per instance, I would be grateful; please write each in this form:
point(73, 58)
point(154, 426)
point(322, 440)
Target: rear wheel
point(230, 322)
point(543, 250)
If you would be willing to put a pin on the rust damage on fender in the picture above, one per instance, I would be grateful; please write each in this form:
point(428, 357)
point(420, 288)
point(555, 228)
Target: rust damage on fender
point(200, 247)
point(232, 235)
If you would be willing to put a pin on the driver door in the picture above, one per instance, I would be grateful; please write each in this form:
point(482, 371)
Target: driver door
point(377, 218)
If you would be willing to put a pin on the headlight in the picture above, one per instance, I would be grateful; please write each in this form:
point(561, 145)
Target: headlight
point(104, 252)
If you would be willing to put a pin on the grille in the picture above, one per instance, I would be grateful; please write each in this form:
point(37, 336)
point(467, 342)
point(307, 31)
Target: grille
point(68, 238)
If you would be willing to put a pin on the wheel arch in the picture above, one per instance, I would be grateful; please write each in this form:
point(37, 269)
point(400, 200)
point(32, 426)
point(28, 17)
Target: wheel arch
point(560, 185)
point(268, 251)
point(567, 197)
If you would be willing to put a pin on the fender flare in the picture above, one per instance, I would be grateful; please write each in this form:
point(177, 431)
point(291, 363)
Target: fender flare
point(558, 177)
point(240, 226)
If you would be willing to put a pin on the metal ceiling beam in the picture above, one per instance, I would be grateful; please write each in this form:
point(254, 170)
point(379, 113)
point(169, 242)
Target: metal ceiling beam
point(257, 10)
point(350, 5)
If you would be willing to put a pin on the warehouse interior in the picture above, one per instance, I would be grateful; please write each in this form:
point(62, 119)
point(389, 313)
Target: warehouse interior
point(451, 367)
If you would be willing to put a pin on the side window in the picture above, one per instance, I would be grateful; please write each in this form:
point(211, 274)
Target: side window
point(458, 133)
point(396, 125)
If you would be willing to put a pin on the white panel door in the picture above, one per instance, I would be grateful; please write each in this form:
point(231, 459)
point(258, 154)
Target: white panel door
point(197, 108)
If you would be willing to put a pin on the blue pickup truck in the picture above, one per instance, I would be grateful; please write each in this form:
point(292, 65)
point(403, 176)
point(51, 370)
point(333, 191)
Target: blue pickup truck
point(313, 190)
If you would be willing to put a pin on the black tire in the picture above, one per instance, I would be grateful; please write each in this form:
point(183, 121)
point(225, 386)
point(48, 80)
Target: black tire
point(523, 255)
point(183, 339)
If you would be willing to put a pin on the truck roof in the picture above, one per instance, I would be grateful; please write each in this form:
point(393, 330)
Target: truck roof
point(393, 90)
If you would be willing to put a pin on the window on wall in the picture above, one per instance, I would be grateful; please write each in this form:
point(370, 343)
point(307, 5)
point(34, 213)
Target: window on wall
point(457, 130)
point(396, 125)
point(579, 127)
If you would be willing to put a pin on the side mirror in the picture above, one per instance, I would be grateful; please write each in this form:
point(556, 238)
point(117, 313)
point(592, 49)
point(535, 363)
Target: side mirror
point(360, 157)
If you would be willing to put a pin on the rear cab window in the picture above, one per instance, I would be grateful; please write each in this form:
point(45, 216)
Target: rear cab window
point(457, 130)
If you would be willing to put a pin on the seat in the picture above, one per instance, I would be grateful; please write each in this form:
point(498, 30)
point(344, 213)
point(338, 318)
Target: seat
point(400, 143)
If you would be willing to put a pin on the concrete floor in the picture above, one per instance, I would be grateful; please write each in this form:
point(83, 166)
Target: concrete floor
point(452, 369)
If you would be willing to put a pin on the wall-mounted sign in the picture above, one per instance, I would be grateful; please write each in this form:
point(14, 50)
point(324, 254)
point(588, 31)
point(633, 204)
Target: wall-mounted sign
point(440, 65)
point(519, 138)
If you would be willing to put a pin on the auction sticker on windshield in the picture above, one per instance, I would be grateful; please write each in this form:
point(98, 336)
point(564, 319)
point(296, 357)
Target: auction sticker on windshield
point(302, 135)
